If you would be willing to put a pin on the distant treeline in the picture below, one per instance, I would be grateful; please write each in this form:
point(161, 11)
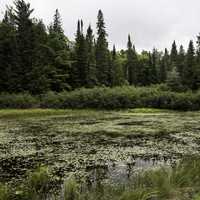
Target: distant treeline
point(36, 59)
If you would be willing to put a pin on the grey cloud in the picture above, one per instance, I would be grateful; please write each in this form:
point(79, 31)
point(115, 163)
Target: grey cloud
point(152, 23)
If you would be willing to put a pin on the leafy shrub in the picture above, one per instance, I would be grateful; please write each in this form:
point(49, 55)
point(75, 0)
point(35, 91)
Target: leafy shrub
point(18, 101)
point(156, 96)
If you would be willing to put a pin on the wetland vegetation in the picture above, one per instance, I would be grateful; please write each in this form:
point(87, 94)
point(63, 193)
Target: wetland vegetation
point(100, 148)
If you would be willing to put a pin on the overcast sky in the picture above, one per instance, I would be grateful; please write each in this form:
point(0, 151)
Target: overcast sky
point(151, 23)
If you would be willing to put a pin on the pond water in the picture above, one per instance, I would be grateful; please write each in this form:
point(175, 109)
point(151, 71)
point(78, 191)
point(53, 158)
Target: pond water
point(96, 145)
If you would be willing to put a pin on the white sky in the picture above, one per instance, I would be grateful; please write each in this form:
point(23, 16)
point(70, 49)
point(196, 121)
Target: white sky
point(151, 23)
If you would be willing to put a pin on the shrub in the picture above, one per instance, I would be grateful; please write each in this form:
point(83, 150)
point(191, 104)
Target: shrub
point(156, 96)
point(22, 101)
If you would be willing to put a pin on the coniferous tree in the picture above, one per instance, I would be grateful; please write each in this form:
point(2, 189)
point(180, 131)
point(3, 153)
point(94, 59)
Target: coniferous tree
point(79, 70)
point(8, 56)
point(116, 72)
point(102, 52)
point(57, 23)
point(173, 57)
point(174, 80)
point(25, 44)
point(131, 64)
point(164, 66)
point(189, 69)
point(60, 62)
point(91, 73)
point(181, 61)
point(144, 69)
point(197, 66)
point(153, 67)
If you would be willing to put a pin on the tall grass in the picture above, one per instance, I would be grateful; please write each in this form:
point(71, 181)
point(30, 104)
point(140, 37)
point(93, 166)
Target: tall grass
point(180, 182)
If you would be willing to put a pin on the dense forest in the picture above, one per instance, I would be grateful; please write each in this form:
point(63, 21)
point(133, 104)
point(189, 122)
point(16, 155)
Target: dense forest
point(36, 58)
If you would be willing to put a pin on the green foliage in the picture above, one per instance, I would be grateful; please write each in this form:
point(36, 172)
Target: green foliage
point(123, 97)
point(174, 80)
point(18, 101)
point(37, 185)
point(102, 52)
point(4, 192)
point(36, 60)
point(71, 190)
point(132, 63)
point(158, 96)
point(189, 69)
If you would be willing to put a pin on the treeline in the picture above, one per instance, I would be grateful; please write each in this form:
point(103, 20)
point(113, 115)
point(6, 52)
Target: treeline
point(37, 59)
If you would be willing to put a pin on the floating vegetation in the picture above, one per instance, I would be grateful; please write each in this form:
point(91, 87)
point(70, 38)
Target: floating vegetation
point(94, 145)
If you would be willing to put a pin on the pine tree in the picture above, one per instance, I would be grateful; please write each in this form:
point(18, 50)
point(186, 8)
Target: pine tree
point(116, 71)
point(174, 80)
point(25, 44)
point(153, 67)
point(189, 69)
point(102, 52)
point(79, 70)
point(197, 74)
point(57, 23)
point(131, 64)
point(60, 61)
point(173, 57)
point(164, 66)
point(8, 56)
point(91, 79)
point(181, 61)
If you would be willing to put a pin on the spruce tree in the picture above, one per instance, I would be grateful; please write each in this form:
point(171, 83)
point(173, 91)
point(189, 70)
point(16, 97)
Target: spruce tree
point(25, 43)
point(189, 69)
point(91, 79)
point(79, 70)
point(116, 72)
point(163, 67)
point(8, 55)
point(102, 52)
point(173, 57)
point(57, 23)
point(131, 64)
point(153, 67)
point(181, 61)
point(60, 61)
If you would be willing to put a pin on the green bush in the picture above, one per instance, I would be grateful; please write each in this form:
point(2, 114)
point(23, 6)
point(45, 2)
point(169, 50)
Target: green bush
point(156, 96)
point(21, 101)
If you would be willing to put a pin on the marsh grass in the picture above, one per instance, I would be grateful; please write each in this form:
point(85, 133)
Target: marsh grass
point(179, 182)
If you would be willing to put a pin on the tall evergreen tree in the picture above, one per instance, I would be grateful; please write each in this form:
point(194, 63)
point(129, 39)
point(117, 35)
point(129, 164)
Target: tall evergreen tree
point(57, 23)
point(131, 64)
point(197, 73)
point(25, 43)
point(8, 56)
point(189, 69)
point(60, 62)
point(102, 52)
point(91, 79)
point(181, 61)
point(79, 70)
point(153, 67)
point(116, 72)
point(173, 57)
point(163, 66)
